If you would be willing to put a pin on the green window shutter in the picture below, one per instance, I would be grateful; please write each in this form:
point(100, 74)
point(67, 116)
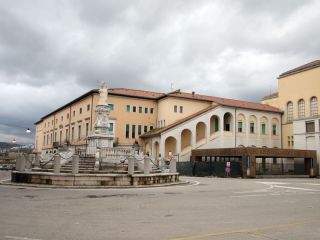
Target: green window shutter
point(145, 129)
point(111, 106)
point(127, 130)
point(140, 109)
point(263, 128)
point(133, 131)
point(139, 130)
point(128, 108)
point(216, 125)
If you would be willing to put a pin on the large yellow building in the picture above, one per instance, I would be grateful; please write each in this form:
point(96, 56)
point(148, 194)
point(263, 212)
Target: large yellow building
point(175, 122)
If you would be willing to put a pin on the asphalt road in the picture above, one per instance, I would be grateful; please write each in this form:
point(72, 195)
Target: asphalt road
point(210, 208)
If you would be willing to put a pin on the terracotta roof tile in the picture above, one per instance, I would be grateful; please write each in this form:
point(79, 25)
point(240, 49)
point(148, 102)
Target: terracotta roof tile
point(270, 96)
point(135, 93)
point(156, 132)
point(227, 102)
point(304, 67)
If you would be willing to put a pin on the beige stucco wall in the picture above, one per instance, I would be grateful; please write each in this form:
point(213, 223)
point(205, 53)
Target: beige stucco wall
point(166, 109)
point(122, 117)
point(303, 85)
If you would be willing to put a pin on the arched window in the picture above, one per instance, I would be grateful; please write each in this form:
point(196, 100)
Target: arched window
point(289, 111)
point(301, 109)
point(314, 106)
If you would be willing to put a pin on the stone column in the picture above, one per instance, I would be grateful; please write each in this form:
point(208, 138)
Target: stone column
point(20, 163)
point(173, 165)
point(56, 164)
point(30, 161)
point(146, 165)
point(131, 165)
point(75, 164)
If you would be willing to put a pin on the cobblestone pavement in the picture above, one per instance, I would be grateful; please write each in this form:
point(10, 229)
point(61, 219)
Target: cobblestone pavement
point(209, 208)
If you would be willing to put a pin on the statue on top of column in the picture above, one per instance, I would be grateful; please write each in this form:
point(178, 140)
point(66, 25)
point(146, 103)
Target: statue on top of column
point(103, 91)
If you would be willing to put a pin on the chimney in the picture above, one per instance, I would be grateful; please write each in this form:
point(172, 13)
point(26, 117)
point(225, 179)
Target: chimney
point(193, 93)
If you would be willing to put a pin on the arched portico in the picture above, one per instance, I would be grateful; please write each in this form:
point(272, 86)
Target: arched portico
point(214, 124)
point(186, 136)
point(170, 146)
point(200, 133)
point(227, 122)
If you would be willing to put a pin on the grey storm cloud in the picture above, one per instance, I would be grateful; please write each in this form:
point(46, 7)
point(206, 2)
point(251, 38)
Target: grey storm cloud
point(54, 51)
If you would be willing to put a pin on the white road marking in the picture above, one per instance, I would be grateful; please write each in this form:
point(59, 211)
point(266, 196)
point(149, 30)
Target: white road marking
point(295, 188)
point(313, 184)
point(273, 183)
point(21, 238)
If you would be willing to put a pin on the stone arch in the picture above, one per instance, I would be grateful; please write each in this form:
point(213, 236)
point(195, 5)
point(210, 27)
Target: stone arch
point(214, 124)
point(264, 122)
point(253, 124)
point(170, 146)
point(186, 140)
point(241, 123)
point(227, 122)
point(275, 126)
point(200, 133)
point(147, 148)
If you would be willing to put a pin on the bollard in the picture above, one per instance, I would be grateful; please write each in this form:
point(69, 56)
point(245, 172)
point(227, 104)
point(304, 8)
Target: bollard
point(20, 163)
point(57, 164)
point(173, 165)
point(37, 161)
point(131, 165)
point(75, 164)
point(146, 165)
point(29, 161)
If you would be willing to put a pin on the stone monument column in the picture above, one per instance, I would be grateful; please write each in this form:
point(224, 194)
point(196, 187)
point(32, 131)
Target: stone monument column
point(101, 137)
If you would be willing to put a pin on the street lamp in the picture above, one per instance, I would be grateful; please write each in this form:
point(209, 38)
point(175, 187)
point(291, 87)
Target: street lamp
point(28, 130)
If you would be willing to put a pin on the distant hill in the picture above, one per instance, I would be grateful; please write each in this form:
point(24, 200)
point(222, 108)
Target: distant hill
point(7, 145)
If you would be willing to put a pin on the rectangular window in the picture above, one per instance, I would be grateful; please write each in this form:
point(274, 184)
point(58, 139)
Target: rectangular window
point(289, 141)
point(151, 128)
point(67, 115)
point(252, 127)
point(240, 127)
point(145, 110)
point(80, 110)
point(133, 135)
point(44, 139)
point(61, 118)
point(127, 130)
point(274, 129)
point(310, 127)
point(145, 129)
point(140, 109)
point(55, 136)
point(175, 108)
point(60, 140)
point(74, 113)
point(79, 132)
point(111, 127)
point(111, 107)
point(216, 125)
point(88, 107)
point(128, 108)
point(181, 109)
point(87, 129)
point(47, 139)
point(51, 138)
point(139, 130)
point(72, 134)
point(151, 110)
point(292, 142)
point(263, 128)
point(134, 109)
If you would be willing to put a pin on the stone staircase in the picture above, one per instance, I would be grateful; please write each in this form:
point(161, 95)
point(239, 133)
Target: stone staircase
point(86, 165)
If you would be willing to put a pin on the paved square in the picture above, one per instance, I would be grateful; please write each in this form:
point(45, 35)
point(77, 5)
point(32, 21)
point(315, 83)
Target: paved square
point(210, 208)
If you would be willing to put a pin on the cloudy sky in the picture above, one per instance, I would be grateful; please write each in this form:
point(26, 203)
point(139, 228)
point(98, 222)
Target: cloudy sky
point(54, 51)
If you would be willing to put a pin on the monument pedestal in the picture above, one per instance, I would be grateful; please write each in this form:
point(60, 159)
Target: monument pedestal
point(97, 141)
